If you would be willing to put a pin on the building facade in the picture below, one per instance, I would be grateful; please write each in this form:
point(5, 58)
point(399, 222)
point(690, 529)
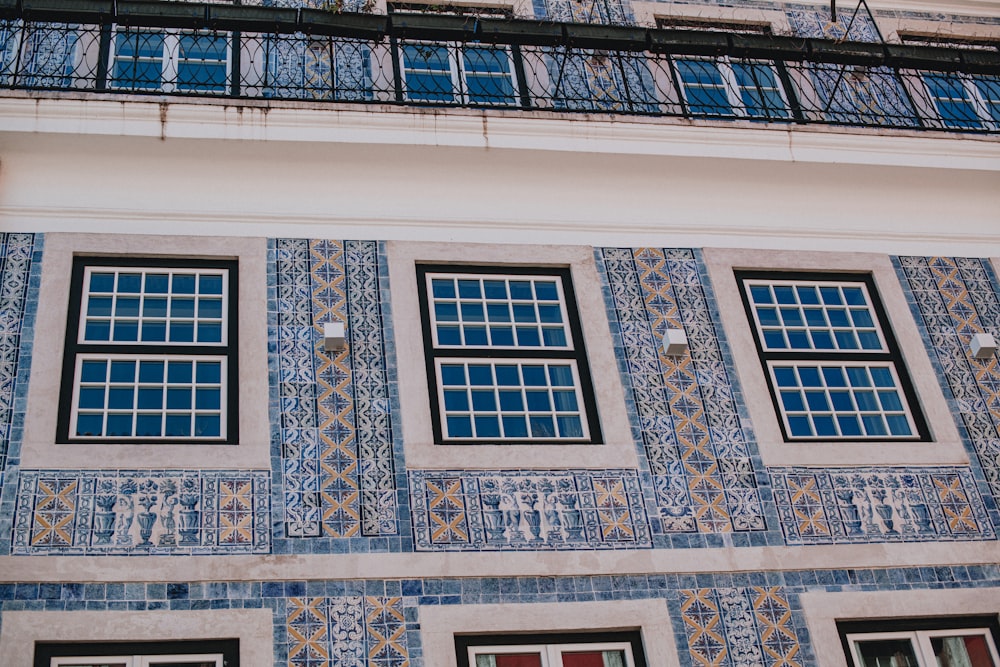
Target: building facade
point(499, 334)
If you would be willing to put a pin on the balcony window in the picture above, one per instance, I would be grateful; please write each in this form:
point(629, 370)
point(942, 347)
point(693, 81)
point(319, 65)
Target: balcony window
point(171, 61)
point(725, 87)
point(473, 74)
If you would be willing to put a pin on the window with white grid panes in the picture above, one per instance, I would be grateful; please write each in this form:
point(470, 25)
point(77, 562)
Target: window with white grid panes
point(622, 649)
point(148, 352)
point(833, 367)
point(922, 642)
point(505, 357)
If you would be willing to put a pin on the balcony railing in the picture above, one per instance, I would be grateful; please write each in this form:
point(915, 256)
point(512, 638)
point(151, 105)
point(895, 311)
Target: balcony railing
point(254, 52)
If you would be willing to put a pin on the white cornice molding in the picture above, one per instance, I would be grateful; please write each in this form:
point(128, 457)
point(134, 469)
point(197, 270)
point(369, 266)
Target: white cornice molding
point(494, 564)
point(165, 119)
point(861, 237)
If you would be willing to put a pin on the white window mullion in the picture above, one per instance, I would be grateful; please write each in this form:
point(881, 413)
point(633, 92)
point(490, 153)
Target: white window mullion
point(732, 86)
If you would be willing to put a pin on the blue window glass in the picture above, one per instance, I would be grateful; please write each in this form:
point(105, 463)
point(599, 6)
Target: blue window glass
point(704, 88)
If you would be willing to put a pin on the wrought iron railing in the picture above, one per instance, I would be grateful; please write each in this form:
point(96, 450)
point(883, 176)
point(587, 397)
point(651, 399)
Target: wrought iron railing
point(232, 51)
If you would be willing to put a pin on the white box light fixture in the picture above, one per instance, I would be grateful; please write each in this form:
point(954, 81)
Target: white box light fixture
point(334, 336)
point(675, 342)
point(983, 345)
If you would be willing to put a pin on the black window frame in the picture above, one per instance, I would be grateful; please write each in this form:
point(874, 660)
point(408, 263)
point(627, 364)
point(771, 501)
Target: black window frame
point(916, 624)
point(632, 637)
point(891, 355)
point(72, 348)
point(578, 354)
point(229, 648)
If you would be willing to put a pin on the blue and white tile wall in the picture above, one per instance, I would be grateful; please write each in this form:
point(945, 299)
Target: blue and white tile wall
point(335, 449)
point(339, 483)
point(20, 277)
point(721, 620)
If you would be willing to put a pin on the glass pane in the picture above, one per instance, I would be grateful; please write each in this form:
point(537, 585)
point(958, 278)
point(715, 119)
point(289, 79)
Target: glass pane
point(965, 651)
point(887, 653)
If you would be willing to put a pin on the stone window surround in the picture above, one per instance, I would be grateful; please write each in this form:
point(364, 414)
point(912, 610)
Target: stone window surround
point(823, 609)
point(39, 448)
point(440, 624)
point(618, 450)
point(22, 629)
point(945, 445)
point(647, 13)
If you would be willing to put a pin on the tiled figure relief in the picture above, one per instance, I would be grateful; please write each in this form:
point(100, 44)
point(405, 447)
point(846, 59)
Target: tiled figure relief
point(538, 510)
point(698, 449)
point(347, 631)
point(739, 627)
point(333, 407)
point(857, 505)
point(142, 512)
point(953, 299)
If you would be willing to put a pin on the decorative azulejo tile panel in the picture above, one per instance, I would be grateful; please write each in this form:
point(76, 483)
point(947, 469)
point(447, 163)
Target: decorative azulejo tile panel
point(142, 512)
point(332, 409)
point(953, 299)
point(18, 252)
point(745, 619)
point(527, 510)
point(347, 631)
point(699, 451)
point(745, 627)
point(851, 505)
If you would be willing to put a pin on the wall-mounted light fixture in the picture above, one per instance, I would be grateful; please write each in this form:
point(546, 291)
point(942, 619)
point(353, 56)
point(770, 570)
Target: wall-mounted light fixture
point(675, 342)
point(334, 336)
point(983, 345)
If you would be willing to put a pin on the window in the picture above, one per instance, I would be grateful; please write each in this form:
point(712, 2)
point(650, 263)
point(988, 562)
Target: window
point(964, 101)
point(833, 367)
point(213, 653)
point(505, 356)
point(961, 101)
point(955, 642)
point(475, 74)
point(171, 61)
point(726, 87)
point(150, 352)
point(471, 74)
point(619, 649)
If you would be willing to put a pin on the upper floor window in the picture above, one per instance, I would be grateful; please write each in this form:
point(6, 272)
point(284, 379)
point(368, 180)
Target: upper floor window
point(956, 642)
point(830, 360)
point(727, 87)
point(171, 61)
point(473, 73)
point(505, 356)
point(961, 101)
point(150, 352)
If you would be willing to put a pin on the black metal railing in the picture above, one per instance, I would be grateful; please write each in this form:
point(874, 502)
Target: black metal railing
point(232, 51)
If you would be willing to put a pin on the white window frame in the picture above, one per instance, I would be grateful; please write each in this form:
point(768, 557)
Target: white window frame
point(80, 349)
point(143, 660)
point(974, 98)
point(886, 356)
point(457, 72)
point(572, 354)
point(731, 87)
point(921, 642)
point(170, 61)
point(551, 654)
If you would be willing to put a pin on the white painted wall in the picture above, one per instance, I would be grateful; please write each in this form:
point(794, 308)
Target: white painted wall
point(382, 172)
